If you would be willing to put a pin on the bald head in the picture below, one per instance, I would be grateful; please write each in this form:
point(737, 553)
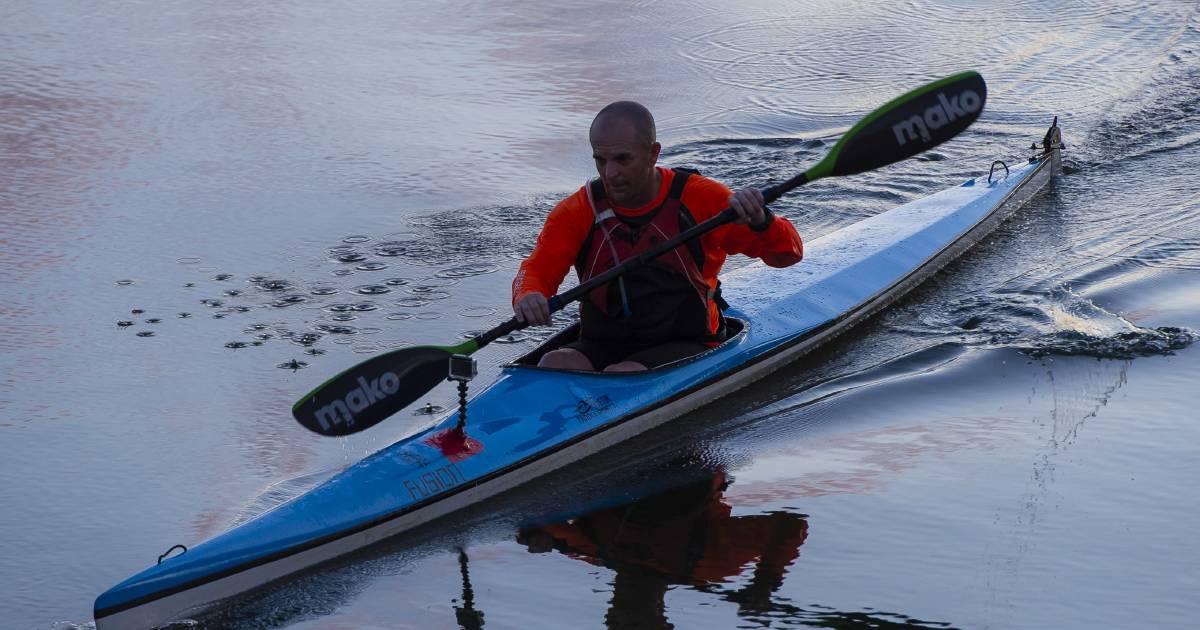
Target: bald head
point(626, 113)
point(625, 152)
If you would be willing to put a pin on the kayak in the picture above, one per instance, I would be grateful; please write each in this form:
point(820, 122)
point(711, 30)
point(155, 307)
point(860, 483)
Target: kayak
point(531, 421)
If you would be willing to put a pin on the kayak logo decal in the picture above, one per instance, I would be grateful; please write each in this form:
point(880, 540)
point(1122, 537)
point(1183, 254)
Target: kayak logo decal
point(432, 482)
point(356, 400)
point(589, 406)
point(946, 111)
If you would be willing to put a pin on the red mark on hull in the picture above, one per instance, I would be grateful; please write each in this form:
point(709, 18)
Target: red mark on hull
point(455, 445)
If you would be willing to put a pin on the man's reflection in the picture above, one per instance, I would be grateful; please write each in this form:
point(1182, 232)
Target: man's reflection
point(686, 535)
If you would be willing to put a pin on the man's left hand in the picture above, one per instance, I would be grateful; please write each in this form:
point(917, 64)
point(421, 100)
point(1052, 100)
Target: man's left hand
point(749, 206)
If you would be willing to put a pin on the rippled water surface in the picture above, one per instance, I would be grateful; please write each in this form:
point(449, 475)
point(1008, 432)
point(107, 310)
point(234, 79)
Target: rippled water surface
point(206, 209)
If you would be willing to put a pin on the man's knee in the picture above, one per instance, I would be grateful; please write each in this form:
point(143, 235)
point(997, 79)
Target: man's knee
point(626, 366)
point(566, 359)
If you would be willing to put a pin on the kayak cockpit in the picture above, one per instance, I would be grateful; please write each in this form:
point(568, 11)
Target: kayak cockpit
point(734, 330)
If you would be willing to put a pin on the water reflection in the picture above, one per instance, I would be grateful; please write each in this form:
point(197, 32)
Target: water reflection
point(687, 536)
point(466, 615)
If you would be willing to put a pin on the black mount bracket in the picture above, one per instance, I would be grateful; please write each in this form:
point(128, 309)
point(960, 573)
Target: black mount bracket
point(462, 369)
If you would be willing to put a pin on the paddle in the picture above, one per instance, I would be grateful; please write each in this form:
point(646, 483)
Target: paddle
point(375, 389)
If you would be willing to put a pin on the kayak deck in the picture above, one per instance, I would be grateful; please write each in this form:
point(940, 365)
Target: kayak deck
point(846, 276)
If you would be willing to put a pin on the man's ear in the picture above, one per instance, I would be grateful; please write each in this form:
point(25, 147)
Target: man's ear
point(655, 149)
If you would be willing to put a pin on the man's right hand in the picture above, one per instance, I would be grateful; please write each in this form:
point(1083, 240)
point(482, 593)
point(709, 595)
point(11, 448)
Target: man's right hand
point(533, 309)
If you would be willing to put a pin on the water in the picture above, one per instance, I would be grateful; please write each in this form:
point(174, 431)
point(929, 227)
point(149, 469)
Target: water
point(300, 185)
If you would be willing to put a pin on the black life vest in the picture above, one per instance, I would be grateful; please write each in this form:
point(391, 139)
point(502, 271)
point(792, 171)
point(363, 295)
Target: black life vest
point(665, 300)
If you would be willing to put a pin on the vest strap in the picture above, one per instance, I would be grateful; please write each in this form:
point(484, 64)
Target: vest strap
point(678, 182)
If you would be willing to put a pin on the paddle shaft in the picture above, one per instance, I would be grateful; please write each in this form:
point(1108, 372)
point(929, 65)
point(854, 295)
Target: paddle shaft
point(558, 302)
point(915, 122)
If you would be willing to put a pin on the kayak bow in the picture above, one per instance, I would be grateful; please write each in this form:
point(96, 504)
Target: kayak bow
point(779, 315)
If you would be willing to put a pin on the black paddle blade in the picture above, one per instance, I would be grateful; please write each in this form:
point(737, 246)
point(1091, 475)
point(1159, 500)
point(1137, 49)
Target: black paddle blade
point(906, 126)
point(373, 390)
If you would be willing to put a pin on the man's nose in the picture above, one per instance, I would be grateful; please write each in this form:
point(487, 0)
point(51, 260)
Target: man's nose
point(610, 170)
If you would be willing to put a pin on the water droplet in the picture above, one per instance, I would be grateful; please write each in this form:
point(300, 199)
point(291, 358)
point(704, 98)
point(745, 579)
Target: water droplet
point(289, 300)
point(323, 289)
point(429, 293)
point(466, 271)
point(293, 365)
point(271, 284)
point(372, 289)
point(304, 339)
point(389, 251)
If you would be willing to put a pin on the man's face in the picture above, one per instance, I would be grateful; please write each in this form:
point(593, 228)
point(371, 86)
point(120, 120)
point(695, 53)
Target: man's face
point(625, 162)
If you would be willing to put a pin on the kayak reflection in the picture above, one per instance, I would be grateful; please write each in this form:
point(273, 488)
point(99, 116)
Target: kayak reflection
point(686, 535)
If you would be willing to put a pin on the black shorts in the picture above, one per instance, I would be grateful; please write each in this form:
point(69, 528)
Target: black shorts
point(603, 353)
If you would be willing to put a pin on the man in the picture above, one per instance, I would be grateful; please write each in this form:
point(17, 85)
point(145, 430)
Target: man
point(669, 309)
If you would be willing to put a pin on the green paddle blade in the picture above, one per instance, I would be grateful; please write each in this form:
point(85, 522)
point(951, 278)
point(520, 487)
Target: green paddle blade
point(373, 390)
point(906, 126)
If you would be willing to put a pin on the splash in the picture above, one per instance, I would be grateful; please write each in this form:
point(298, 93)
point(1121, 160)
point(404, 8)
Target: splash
point(1078, 326)
point(1058, 323)
point(1124, 345)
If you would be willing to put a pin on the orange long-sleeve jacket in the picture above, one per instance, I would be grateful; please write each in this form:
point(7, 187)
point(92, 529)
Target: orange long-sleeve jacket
point(569, 223)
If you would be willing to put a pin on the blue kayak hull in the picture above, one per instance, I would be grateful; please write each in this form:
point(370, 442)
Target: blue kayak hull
point(532, 421)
